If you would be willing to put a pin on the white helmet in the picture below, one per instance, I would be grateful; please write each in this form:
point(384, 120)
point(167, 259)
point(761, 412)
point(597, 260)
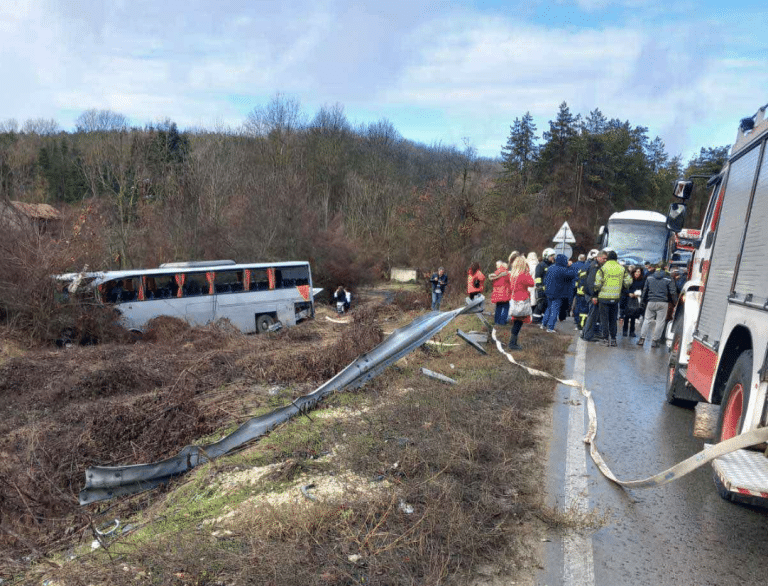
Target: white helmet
point(548, 252)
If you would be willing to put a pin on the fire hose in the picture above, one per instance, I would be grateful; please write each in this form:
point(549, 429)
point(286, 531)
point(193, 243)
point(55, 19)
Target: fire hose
point(688, 465)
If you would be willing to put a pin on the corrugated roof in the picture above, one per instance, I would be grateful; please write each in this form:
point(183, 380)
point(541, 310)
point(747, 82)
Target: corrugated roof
point(42, 211)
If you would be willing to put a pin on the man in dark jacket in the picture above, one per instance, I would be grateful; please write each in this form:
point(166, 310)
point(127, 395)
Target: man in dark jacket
point(658, 292)
point(557, 285)
point(548, 257)
point(439, 282)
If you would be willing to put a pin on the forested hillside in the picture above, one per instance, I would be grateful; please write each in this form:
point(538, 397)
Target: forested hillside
point(353, 200)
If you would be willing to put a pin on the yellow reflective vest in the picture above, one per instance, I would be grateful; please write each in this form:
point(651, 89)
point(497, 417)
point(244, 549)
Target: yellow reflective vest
point(610, 279)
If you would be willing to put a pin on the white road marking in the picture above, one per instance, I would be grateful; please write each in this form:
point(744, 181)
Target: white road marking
point(578, 562)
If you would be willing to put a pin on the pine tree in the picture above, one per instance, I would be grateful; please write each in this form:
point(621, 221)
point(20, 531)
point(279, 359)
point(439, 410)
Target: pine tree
point(560, 136)
point(521, 150)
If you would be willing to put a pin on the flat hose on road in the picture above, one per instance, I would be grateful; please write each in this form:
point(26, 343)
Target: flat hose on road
point(688, 465)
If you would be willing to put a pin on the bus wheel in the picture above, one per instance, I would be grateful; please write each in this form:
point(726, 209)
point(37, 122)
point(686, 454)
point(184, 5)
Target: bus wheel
point(263, 323)
point(136, 336)
point(675, 380)
point(736, 398)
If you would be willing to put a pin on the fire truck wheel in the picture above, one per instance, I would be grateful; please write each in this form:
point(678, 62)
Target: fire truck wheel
point(263, 323)
point(736, 398)
point(675, 379)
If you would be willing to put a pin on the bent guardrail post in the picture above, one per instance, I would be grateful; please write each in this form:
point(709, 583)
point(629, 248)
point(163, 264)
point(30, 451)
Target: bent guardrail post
point(471, 342)
point(437, 376)
point(105, 482)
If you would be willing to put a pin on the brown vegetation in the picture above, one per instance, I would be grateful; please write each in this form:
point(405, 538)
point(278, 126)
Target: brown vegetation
point(459, 456)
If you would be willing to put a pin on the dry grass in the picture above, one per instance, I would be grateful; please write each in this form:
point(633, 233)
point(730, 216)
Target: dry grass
point(460, 459)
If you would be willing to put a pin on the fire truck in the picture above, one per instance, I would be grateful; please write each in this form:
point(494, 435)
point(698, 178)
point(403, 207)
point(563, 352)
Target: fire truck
point(681, 247)
point(719, 334)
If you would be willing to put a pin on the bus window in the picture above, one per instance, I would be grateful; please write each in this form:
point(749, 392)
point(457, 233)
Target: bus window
point(259, 280)
point(292, 277)
point(228, 281)
point(195, 284)
point(131, 289)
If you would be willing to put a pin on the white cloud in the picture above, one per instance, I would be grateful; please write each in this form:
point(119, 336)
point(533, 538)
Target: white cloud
point(197, 62)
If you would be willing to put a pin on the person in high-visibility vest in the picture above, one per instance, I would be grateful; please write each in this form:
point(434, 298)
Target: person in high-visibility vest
point(611, 278)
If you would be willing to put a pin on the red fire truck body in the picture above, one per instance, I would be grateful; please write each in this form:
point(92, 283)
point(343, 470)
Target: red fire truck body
point(719, 350)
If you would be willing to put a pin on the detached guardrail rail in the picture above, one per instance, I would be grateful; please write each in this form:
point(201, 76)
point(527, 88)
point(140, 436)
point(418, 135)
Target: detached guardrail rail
point(106, 482)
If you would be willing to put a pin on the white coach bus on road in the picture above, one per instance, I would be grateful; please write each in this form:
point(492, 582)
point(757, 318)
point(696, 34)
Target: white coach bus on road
point(252, 297)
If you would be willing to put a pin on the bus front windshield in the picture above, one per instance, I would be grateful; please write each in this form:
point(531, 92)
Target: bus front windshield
point(638, 242)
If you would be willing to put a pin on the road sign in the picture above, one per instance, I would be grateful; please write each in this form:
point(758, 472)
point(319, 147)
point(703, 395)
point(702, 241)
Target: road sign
point(564, 234)
point(563, 248)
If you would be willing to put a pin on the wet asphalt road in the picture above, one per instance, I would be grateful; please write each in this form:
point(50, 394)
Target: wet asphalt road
point(681, 533)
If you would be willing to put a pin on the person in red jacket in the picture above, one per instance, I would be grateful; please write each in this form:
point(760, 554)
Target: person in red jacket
point(501, 293)
point(475, 280)
point(520, 279)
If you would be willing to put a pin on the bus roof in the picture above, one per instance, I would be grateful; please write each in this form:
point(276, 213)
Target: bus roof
point(104, 276)
point(638, 216)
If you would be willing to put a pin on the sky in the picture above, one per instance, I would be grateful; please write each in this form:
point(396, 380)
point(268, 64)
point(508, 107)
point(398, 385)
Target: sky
point(451, 73)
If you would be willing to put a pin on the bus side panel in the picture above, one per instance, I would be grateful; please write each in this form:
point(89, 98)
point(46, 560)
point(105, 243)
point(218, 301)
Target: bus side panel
point(199, 310)
point(136, 314)
point(727, 245)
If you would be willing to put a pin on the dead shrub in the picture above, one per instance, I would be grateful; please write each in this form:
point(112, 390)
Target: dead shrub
point(314, 364)
point(411, 300)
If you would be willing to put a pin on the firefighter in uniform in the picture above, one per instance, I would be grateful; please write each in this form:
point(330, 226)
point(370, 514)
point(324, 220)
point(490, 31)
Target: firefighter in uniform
point(581, 303)
point(548, 257)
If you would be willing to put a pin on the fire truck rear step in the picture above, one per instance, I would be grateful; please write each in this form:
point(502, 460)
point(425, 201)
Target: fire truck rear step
point(742, 477)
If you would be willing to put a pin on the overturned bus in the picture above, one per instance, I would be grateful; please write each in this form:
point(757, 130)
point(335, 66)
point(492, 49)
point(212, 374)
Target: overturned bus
point(253, 297)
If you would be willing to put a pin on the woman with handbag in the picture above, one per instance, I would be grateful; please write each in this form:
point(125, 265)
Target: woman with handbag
point(501, 293)
point(633, 309)
point(520, 306)
point(475, 280)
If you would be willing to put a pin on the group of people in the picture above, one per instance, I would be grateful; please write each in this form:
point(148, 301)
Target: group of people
point(596, 289)
point(611, 291)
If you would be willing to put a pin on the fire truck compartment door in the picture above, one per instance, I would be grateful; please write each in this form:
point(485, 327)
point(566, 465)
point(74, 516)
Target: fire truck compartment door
point(727, 244)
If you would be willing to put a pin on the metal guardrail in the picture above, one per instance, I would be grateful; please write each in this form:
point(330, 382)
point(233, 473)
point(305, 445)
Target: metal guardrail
point(106, 482)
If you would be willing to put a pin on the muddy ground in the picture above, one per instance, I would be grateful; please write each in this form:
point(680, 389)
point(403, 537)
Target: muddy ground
point(462, 459)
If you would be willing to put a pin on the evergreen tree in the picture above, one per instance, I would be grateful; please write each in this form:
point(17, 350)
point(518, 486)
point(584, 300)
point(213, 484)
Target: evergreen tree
point(560, 136)
point(521, 150)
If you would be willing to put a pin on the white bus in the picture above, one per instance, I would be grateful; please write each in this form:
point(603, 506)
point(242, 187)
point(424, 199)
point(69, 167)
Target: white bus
point(252, 297)
point(637, 236)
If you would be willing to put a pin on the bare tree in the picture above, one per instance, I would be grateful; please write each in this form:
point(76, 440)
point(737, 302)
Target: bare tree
point(94, 120)
point(9, 125)
point(41, 126)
